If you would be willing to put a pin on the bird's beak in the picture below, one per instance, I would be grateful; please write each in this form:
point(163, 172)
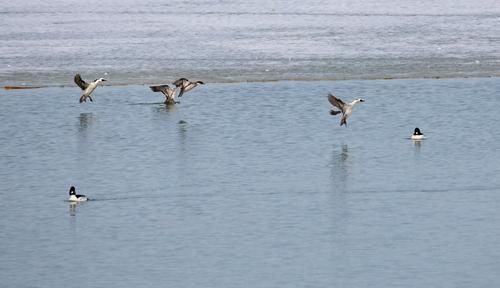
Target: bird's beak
point(104, 80)
point(361, 100)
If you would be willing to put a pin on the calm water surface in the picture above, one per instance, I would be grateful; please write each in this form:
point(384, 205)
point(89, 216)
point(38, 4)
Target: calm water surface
point(260, 187)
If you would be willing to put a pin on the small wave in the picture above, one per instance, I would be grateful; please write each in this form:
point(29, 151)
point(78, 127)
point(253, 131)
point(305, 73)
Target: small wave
point(147, 103)
point(430, 190)
point(260, 13)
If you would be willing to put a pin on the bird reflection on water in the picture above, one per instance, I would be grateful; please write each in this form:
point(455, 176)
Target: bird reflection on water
point(164, 107)
point(169, 107)
point(86, 120)
point(417, 144)
point(73, 207)
point(340, 168)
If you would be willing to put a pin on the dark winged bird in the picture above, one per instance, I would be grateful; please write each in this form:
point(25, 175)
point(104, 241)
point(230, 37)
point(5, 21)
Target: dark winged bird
point(167, 91)
point(87, 88)
point(345, 108)
point(185, 85)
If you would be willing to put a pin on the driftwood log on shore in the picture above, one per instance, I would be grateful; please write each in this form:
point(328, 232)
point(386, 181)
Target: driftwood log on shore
point(20, 87)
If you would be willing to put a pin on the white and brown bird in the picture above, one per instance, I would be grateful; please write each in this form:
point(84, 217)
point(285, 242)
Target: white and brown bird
point(185, 85)
point(345, 108)
point(167, 91)
point(87, 88)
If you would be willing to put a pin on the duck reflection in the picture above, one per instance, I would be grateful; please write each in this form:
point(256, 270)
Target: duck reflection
point(169, 107)
point(340, 167)
point(73, 207)
point(417, 145)
point(165, 107)
point(86, 120)
point(339, 206)
point(182, 132)
point(344, 154)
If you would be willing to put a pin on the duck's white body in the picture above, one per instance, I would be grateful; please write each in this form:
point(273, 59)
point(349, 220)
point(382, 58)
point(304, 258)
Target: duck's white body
point(73, 197)
point(417, 137)
point(79, 198)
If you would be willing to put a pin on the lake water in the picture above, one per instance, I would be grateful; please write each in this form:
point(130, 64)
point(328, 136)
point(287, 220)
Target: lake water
point(246, 182)
point(252, 185)
point(150, 41)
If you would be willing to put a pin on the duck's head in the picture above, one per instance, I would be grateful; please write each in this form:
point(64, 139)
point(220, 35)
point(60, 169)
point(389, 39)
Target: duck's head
point(100, 80)
point(356, 101)
point(417, 132)
point(200, 82)
point(72, 190)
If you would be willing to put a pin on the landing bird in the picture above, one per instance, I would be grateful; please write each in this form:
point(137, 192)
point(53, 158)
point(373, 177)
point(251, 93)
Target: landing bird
point(87, 88)
point(167, 91)
point(185, 85)
point(345, 108)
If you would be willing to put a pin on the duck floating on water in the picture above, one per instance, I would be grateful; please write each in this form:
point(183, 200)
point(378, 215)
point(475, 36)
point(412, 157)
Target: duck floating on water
point(345, 108)
point(73, 197)
point(87, 88)
point(417, 134)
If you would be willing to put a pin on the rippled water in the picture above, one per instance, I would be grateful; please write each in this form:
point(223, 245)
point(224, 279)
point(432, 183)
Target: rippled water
point(131, 41)
point(252, 185)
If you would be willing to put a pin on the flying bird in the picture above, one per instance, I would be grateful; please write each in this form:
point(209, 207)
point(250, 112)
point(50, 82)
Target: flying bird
point(86, 87)
point(345, 108)
point(167, 91)
point(185, 85)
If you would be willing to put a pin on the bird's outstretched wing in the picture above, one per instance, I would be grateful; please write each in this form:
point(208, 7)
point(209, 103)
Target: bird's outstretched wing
point(180, 82)
point(165, 89)
point(336, 102)
point(160, 88)
point(79, 81)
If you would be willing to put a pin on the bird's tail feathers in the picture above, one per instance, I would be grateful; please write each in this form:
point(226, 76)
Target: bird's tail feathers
point(333, 112)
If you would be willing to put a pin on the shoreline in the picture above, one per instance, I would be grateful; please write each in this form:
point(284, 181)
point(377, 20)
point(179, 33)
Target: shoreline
point(118, 84)
point(255, 71)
